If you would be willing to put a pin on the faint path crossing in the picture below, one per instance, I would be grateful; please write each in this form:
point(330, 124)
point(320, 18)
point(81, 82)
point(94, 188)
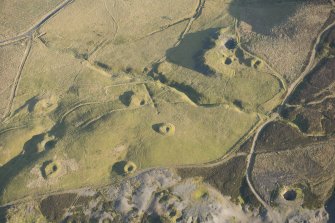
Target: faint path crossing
point(105, 42)
point(251, 155)
point(28, 34)
point(112, 17)
point(17, 80)
point(31, 30)
point(196, 15)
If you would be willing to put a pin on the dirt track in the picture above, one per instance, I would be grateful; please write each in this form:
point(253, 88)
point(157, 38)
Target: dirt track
point(17, 80)
point(32, 29)
point(250, 159)
point(27, 35)
point(309, 66)
point(290, 90)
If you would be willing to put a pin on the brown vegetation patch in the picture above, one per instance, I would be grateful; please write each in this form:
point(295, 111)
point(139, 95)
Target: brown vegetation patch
point(226, 177)
point(246, 146)
point(278, 136)
point(318, 119)
point(316, 93)
point(309, 165)
point(317, 84)
point(53, 207)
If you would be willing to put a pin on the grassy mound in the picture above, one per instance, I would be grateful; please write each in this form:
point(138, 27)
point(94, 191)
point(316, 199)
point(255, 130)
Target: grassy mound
point(165, 128)
point(129, 167)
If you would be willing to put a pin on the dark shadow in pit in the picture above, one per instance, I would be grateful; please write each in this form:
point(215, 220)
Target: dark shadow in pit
point(290, 195)
point(118, 167)
point(54, 207)
point(263, 15)
point(3, 213)
point(238, 103)
point(330, 208)
point(189, 53)
point(44, 165)
point(125, 98)
point(155, 127)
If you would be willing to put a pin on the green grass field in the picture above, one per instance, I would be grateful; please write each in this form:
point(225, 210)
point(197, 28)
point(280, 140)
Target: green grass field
point(92, 93)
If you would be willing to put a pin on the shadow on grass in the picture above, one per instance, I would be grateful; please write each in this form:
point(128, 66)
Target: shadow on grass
point(261, 15)
point(13, 167)
point(3, 214)
point(29, 104)
point(189, 53)
point(188, 90)
point(29, 155)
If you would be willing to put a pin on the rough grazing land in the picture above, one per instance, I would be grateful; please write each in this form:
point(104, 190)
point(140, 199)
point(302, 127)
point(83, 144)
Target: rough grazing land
point(167, 111)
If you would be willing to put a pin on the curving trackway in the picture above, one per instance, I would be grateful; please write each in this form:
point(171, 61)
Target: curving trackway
point(273, 116)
